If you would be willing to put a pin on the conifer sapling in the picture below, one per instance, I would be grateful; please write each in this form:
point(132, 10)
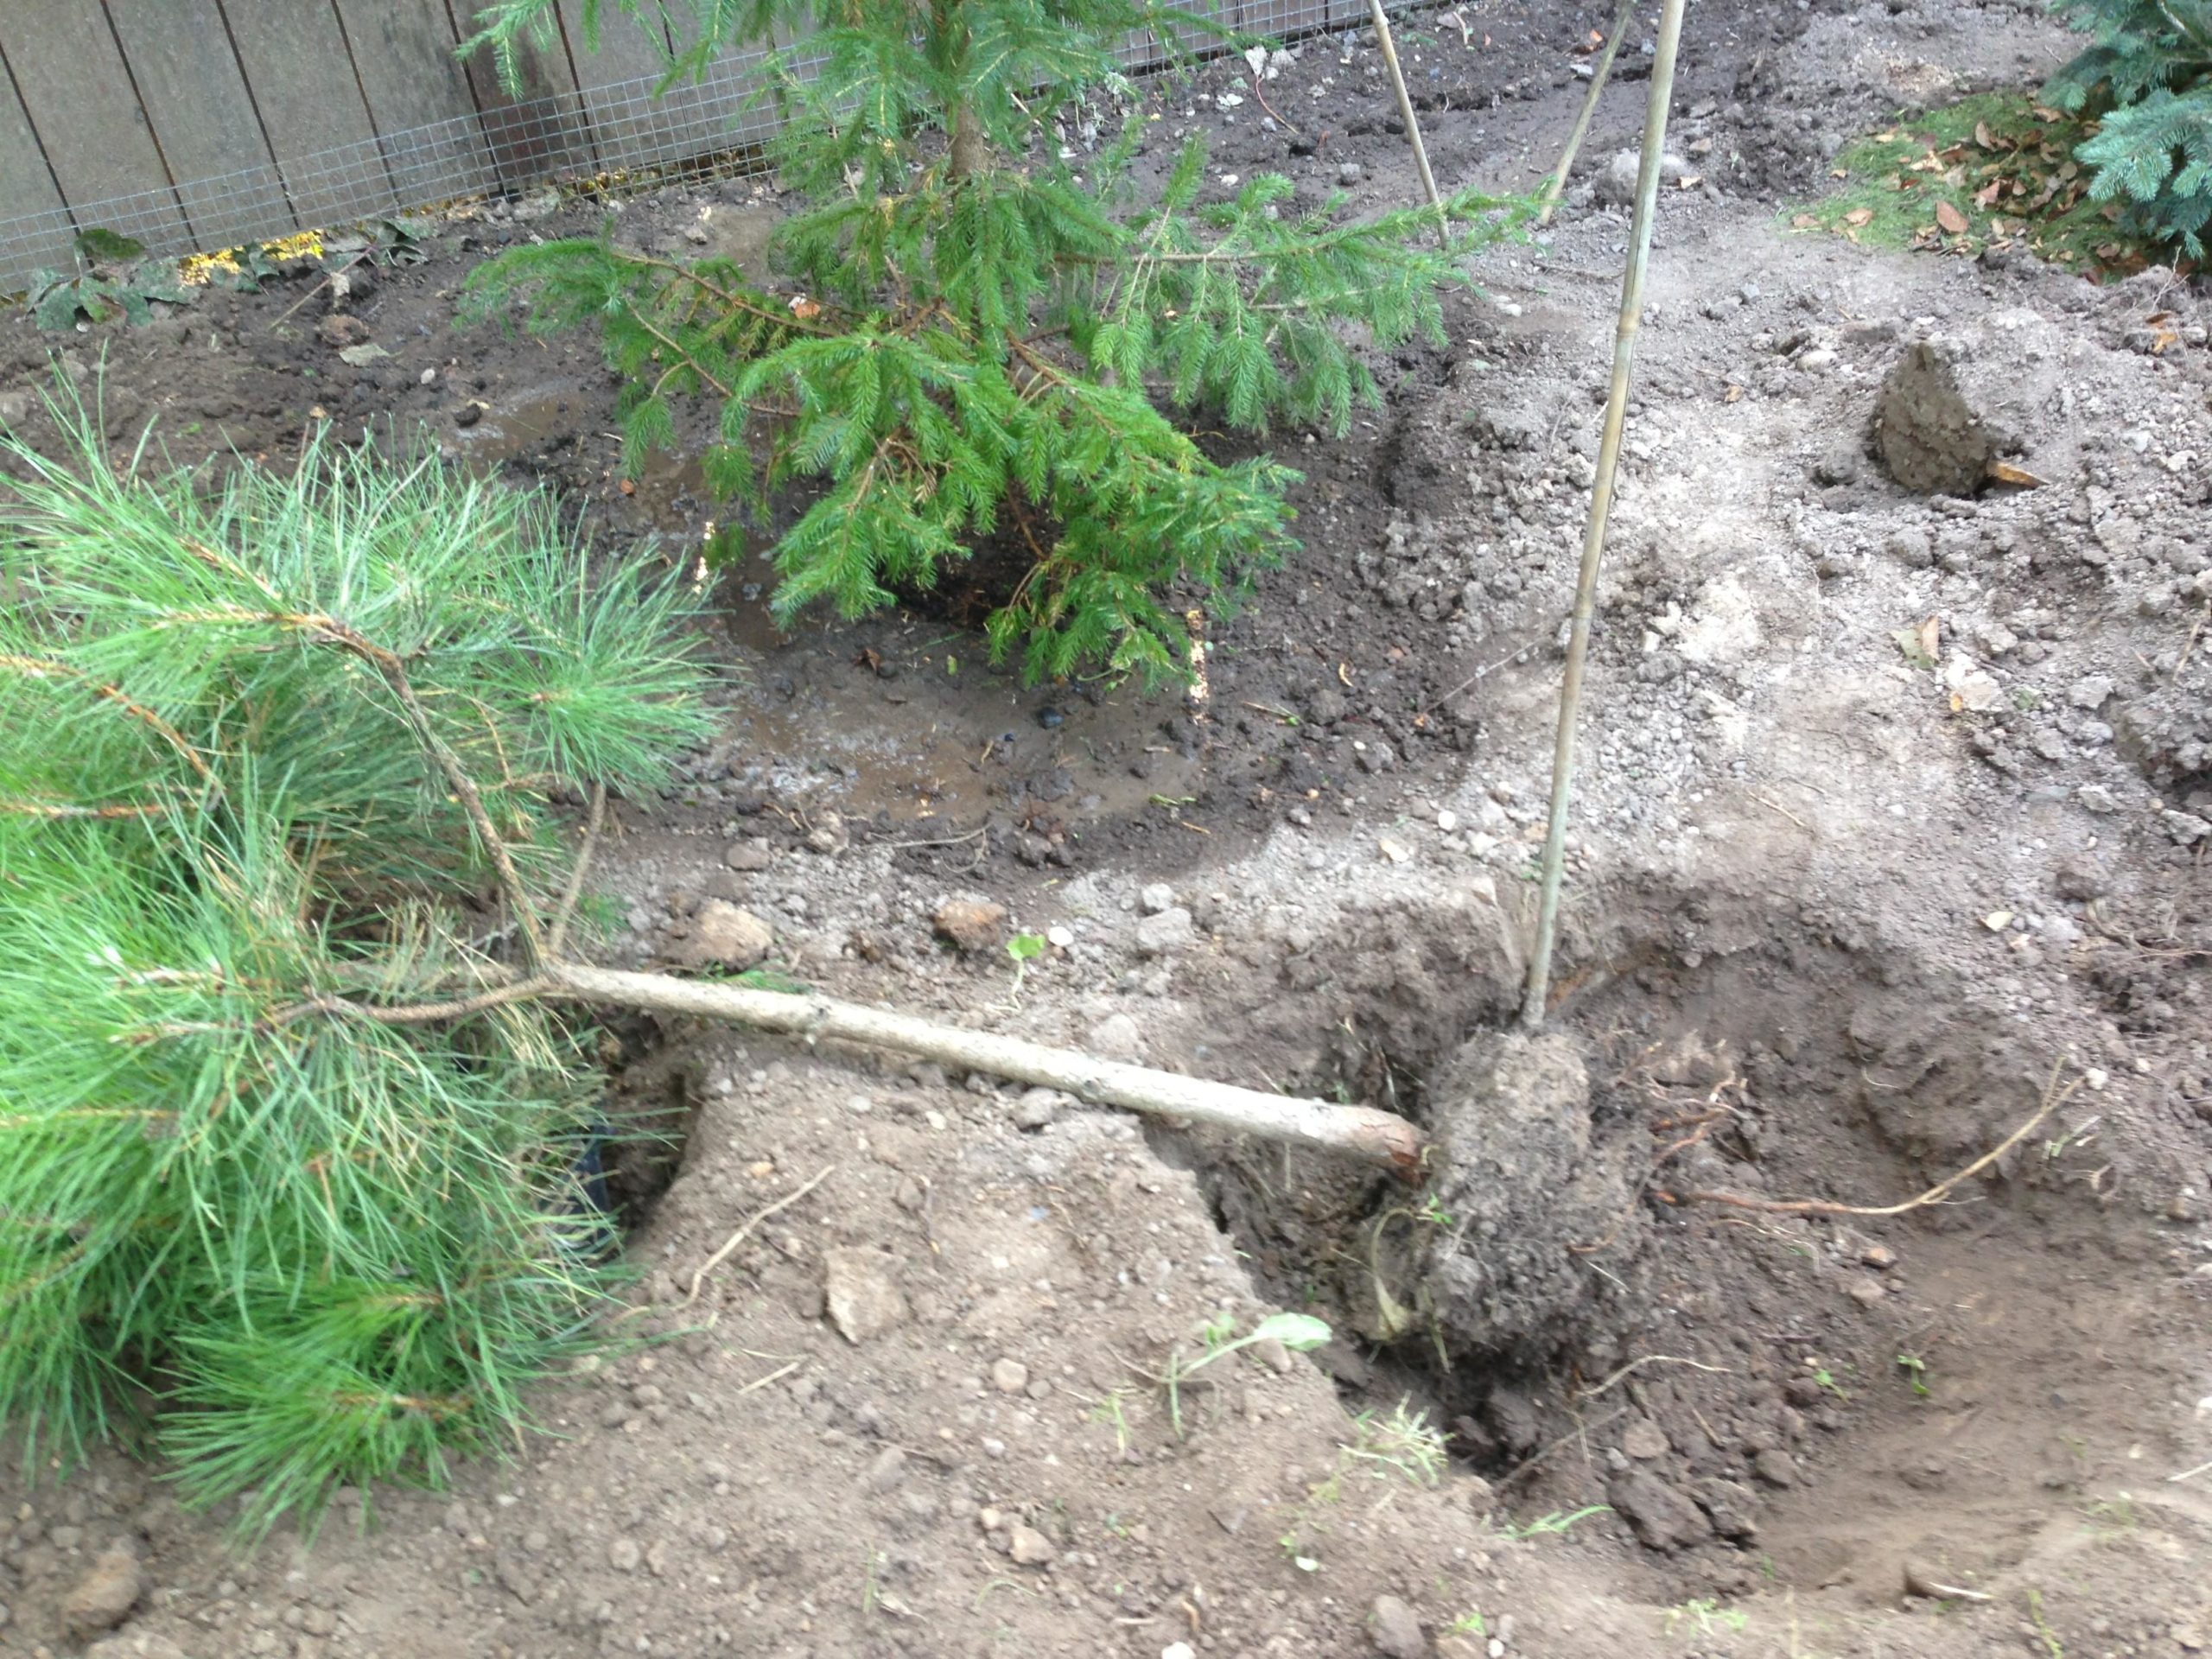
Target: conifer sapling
point(978, 318)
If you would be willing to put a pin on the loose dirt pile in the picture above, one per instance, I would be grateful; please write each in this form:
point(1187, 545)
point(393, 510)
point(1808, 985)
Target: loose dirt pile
point(1894, 801)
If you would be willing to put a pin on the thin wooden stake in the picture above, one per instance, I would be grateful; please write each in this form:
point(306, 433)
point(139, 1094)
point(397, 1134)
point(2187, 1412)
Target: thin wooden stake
point(1389, 46)
point(1601, 503)
point(1605, 68)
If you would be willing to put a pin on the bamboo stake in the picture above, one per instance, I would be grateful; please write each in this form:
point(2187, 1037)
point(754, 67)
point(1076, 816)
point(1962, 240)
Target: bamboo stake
point(1605, 68)
point(1361, 1132)
point(1601, 502)
point(1389, 46)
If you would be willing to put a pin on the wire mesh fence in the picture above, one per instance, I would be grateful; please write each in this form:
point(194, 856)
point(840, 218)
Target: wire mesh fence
point(625, 126)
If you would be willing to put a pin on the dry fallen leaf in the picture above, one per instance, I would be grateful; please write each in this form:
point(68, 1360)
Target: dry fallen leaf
point(1950, 219)
point(1989, 192)
point(1859, 216)
point(2004, 472)
point(1691, 181)
point(1803, 222)
point(1981, 136)
point(1735, 395)
point(1919, 643)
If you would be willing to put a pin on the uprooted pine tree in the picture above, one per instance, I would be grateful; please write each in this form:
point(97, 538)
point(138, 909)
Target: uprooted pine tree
point(294, 1119)
point(986, 296)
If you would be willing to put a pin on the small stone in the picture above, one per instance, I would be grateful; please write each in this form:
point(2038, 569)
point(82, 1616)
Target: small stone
point(1396, 851)
point(1170, 931)
point(1155, 898)
point(1644, 1441)
point(624, 1555)
point(1776, 1467)
point(2186, 829)
point(1732, 1508)
point(1029, 1548)
point(887, 1471)
point(103, 1598)
point(1819, 360)
point(829, 835)
point(1865, 1292)
point(970, 925)
point(1661, 1517)
point(748, 857)
point(341, 330)
point(1117, 1037)
point(1038, 1107)
point(1395, 1629)
point(723, 935)
point(1878, 1257)
point(2090, 691)
point(1615, 182)
point(1009, 1376)
point(2096, 798)
point(1349, 173)
point(862, 1296)
point(1179, 1650)
point(129, 1644)
point(1447, 822)
point(468, 413)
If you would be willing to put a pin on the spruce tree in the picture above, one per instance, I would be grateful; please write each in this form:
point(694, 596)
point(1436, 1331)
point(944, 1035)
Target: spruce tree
point(2148, 75)
point(981, 331)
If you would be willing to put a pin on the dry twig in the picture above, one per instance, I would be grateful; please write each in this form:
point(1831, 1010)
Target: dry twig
point(730, 1244)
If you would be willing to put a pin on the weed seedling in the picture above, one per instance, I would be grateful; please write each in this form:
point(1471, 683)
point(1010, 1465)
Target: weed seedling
point(1024, 947)
point(1552, 1525)
point(1915, 1371)
point(1299, 1332)
point(1469, 1624)
point(1705, 1617)
point(1403, 1441)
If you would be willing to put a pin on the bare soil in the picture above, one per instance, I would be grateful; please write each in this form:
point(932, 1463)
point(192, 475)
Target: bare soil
point(1837, 917)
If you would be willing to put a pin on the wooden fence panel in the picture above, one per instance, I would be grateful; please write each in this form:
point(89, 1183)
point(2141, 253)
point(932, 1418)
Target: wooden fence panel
point(195, 97)
point(207, 123)
point(539, 130)
point(402, 58)
point(626, 129)
point(33, 219)
point(295, 59)
point(75, 88)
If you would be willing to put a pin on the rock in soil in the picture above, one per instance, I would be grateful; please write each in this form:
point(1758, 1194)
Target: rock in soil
point(105, 1597)
point(1395, 1629)
point(1519, 1164)
point(861, 1292)
point(1165, 933)
point(723, 935)
point(1661, 1517)
point(134, 1644)
point(971, 925)
point(1029, 1548)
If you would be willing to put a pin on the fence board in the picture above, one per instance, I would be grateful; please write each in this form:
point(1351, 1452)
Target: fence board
point(626, 129)
point(194, 96)
point(413, 85)
point(254, 117)
point(74, 89)
point(34, 228)
point(294, 59)
point(539, 130)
